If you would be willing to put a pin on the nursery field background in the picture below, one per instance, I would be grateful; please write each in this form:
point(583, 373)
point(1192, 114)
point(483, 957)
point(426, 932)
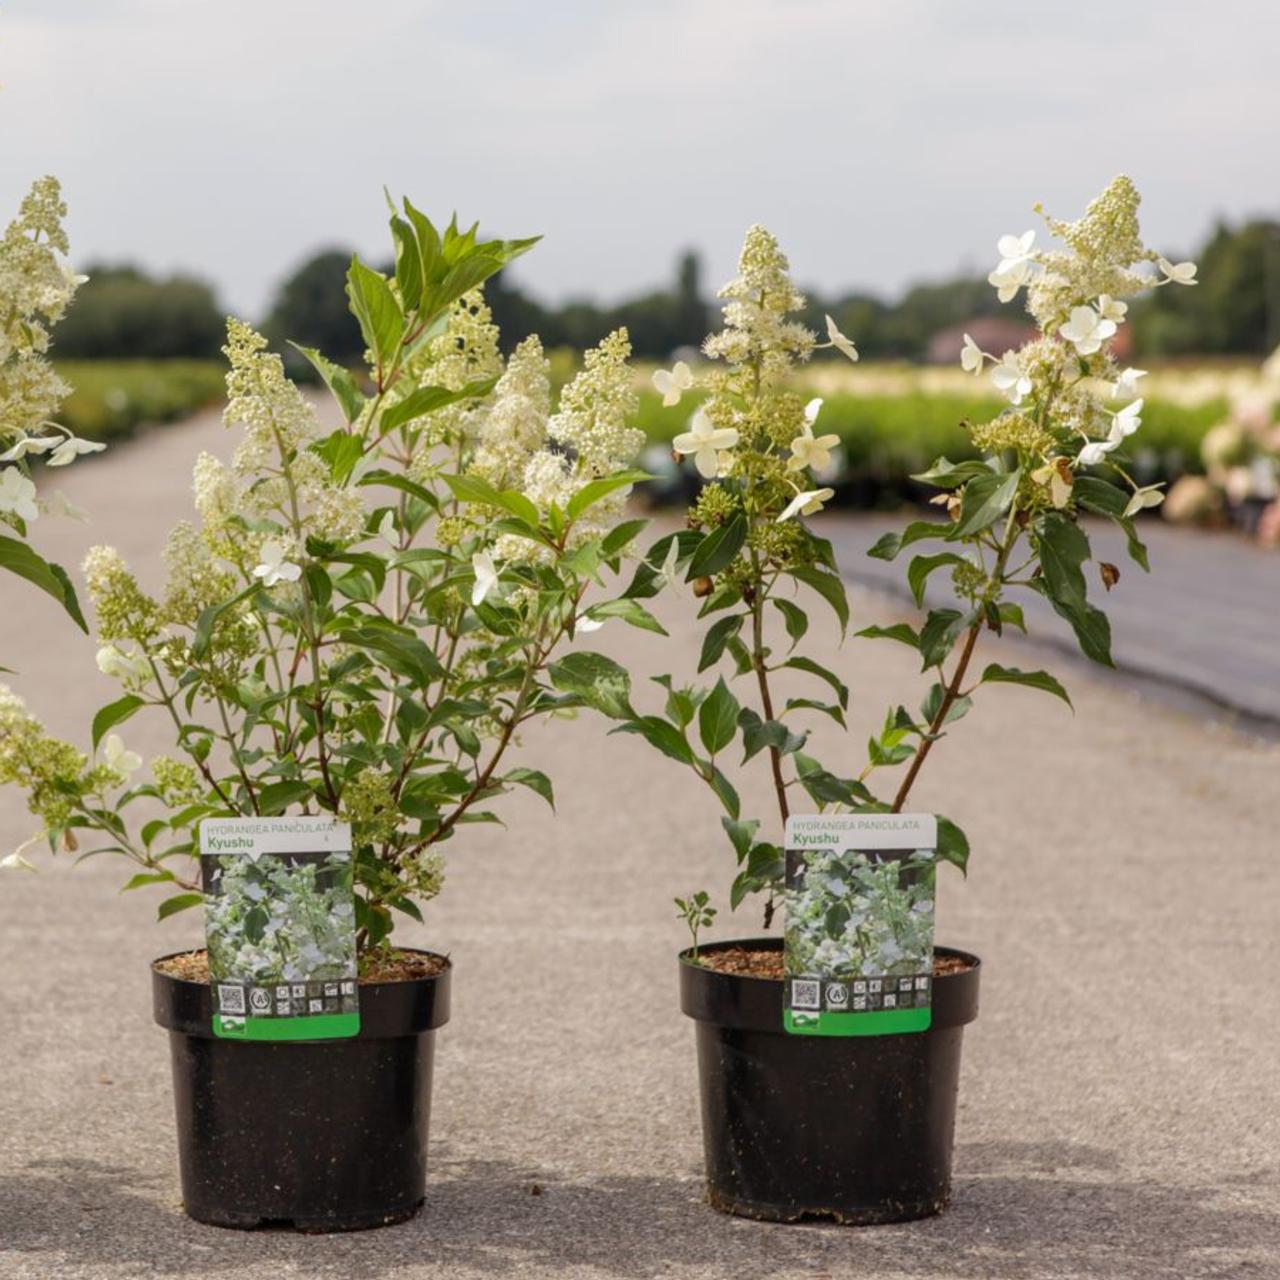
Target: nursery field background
point(894, 418)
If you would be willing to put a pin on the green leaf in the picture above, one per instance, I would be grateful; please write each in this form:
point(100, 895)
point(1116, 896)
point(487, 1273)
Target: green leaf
point(724, 789)
point(114, 713)
point(339, 381)
point(19, 559)
point(740, 834)
point(808, 665)
point(938, 634)
point(899, 631)
point(932, 704)
point(399, 650)
point(1093, 631)
point(813, 704)
point(375, 308)
point(475, 489)
point(341, 451)
point(717, 550)
point(718, 719)
point(659, 733)
point(945, 474)
point(179, 902)
point(824, 787)
point(209, 618)
point(1137, 548)
point(794, 617)
point(765, 866)
point(276, 797)
point(881, 752)
point(889, 544)
point(619, 536)
point(1011, 613)
point(535, 780)
point(144, 878)
point(427, 400)
point(597, 681)
point(922, 566)
point(1100, 496)
point(631, 611)
point(594, 490)
point(1063, 548)
point(996, 674)
point(985, 499)
point(953, 845)
point(829, 587)
point(718, 636)
point(758, 734)
point(681, 703)
point(409, 272)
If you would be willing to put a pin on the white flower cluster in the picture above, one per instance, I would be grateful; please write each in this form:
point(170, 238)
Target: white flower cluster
point(549, 457)
point(274, 474)
point(466, 352)
point(755, 315)
point(37, 287)
point(260, 398)
point(1063, 379)
point(515, 426)
point(760, 344)
point(594, 410)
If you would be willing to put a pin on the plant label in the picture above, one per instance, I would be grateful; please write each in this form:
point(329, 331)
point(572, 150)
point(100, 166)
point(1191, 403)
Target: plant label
point(280, 927)
point(858, 948)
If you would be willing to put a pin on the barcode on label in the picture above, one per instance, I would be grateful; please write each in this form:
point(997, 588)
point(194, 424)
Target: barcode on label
point(230, 999)
point(805, 994)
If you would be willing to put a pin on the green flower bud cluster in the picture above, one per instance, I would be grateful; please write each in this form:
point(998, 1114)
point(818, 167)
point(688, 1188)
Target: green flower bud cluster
point(370, 807)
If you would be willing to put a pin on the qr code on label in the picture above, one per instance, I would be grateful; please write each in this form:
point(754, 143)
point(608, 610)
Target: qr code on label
point(806, 994)
point(230, 999)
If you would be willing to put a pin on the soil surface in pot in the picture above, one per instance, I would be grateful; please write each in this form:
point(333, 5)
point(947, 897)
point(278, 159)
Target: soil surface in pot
point(744, 962)
point(375, 966)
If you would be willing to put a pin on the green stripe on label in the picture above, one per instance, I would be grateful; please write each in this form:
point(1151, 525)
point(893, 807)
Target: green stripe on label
point(318, 1026)
point(877, 1022)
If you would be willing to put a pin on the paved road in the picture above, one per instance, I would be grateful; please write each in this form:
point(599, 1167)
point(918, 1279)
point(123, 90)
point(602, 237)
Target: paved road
point(1120, 1109)
point(1203, 627)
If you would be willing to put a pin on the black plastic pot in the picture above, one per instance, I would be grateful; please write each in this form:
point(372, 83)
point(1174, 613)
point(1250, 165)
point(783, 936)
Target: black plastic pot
point(853, 1129)
point(320, 1135)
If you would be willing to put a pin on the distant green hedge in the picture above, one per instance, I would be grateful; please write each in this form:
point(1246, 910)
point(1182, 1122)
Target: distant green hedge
point(887, 438)
point(109, 398)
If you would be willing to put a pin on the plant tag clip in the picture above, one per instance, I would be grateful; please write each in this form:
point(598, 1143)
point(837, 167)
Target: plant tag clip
point(858, 947)
point(280, 927)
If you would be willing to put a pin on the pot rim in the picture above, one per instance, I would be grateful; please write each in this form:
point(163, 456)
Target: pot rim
point(388, 1010)
point(771, 942)
point(385, 982)
point(753, 1003)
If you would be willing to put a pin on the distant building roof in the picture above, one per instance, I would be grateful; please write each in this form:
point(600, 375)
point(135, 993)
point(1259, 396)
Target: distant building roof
point(994, 334)
point(998, 334)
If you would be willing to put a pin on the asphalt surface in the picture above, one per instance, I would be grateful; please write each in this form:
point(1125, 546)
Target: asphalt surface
point(1120, 1106)
point(1199, 630)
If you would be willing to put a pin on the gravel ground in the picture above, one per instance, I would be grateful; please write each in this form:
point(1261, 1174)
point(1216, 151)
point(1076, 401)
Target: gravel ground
point(1120, 1107)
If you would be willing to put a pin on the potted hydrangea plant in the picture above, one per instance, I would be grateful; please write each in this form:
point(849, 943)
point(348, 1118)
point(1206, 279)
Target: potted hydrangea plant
point(860, 1129)
point(37, 287)
point(357, 626)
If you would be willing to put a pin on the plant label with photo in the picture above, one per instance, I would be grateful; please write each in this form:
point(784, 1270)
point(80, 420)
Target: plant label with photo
point(859, 923)
point(280, 926)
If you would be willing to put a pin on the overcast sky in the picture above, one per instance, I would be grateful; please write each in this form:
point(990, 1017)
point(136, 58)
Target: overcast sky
point(884, 141)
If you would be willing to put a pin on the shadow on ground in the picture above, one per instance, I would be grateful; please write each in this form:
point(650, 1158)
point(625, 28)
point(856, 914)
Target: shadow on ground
point(1022, 1210)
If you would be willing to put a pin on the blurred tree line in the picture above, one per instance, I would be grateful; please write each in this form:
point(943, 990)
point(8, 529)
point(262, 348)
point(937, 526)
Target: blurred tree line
point(125, 313)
